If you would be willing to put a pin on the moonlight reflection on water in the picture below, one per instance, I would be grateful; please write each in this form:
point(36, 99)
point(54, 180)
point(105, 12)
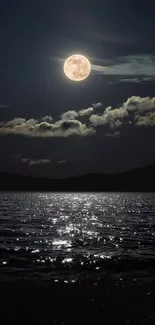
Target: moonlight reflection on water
point(75, 232)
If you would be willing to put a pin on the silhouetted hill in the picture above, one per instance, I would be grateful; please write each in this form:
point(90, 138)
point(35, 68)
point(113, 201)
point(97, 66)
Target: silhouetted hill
point(141, 179)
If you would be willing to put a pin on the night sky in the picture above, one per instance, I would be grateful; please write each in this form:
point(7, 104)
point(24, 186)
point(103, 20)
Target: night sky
point(51, 126)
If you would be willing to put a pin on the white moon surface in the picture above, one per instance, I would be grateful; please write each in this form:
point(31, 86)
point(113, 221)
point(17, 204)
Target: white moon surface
point(77, 67)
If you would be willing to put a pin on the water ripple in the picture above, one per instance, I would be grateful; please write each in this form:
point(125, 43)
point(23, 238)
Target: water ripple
point(45, 232)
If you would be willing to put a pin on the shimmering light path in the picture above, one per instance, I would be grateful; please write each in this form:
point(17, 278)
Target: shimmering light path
point(52, 234)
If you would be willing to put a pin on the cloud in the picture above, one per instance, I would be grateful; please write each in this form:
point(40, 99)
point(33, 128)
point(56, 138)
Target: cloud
point(72, 115)
point(45, 126)
point(47, 118)
point(15, 121)
point(61, 162)
point(4, 106)
point(111, 117)
point(73, 127)
point(35, 162)
point(134, 80)
point(136, 110)
point(25, 160)
point(86, 112)
point(69, 115)
point(140, 105)
point(129, 80)
point(147, 120)
point(130, 65)
point(113, 135)
point(35, 128)
point(97, 105)
point(39, 162)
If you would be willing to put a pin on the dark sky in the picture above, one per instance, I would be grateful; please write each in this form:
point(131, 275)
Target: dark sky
point(36, 37)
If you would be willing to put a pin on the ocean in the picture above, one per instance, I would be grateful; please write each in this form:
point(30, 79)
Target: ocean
point(74, 236)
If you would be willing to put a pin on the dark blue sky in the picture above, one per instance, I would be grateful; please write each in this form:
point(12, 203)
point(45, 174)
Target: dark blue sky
point(36, 36)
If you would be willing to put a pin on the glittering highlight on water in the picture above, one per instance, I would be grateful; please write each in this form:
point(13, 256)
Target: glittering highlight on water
point(46, 234)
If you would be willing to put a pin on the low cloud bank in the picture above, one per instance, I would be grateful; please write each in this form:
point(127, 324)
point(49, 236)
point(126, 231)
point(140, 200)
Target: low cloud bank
point(138, 111)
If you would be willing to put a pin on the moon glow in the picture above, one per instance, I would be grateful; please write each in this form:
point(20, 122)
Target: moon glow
point(77, 67)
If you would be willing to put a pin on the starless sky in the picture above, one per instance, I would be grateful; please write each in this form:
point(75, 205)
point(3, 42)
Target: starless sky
point(51, 126)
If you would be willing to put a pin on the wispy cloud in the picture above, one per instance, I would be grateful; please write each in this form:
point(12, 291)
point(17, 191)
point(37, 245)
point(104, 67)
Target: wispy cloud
point(113, 135)
point(131, 65)
point(136, 80)
point(41, 161)
point(4, 106)
point(25, 160)
point(35, 162)
point(61, 162)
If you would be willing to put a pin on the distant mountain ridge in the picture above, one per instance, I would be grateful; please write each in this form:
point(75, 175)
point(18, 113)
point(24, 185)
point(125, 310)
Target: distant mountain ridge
point(140, 179)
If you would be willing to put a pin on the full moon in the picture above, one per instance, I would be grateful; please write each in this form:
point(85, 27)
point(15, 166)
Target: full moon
point(77, 67)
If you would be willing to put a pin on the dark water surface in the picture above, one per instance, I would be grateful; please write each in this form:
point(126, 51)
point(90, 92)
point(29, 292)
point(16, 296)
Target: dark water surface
point(75, 235)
